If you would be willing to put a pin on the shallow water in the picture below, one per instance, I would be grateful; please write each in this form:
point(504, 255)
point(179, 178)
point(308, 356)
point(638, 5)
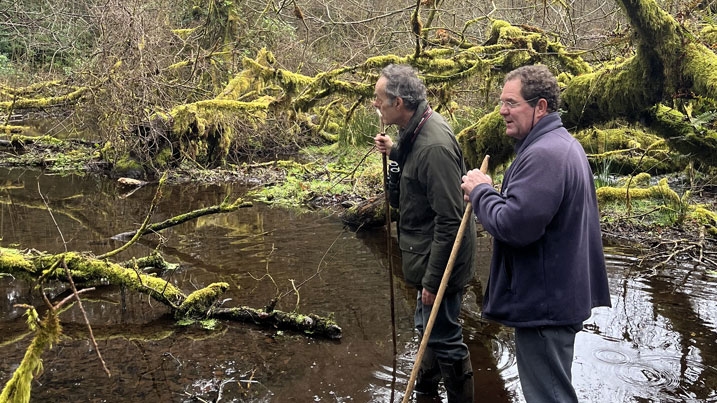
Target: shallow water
point(657, 343)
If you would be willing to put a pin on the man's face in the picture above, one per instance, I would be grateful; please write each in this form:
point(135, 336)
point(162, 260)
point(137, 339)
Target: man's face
point(519, 118)
point(389, 110)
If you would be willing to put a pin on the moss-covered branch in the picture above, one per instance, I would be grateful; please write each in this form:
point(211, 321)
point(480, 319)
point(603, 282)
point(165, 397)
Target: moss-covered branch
point(200, 304)
point(309, 324)
point(85, 268)
point(39, 101)
point(181, 218)
point(687, 137)
point(628, 150)
point(47, 333)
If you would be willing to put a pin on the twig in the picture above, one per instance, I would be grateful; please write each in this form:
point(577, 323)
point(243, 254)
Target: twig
point(140, 231)
point(75, 293)
point(84, 315)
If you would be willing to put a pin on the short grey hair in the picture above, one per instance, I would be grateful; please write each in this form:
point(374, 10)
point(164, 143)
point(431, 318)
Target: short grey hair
point(537, 82)
point(402, 82)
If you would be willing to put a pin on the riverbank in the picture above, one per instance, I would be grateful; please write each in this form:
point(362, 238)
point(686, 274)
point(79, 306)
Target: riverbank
point(290, 183)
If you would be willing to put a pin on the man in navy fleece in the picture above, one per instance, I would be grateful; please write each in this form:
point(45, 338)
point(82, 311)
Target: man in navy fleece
point(548, 269)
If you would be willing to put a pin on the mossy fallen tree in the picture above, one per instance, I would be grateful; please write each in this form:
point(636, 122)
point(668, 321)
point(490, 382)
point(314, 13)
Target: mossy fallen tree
point(370, 213)
point(664, 199)
point(309, 324)
point(671, 67)
point(86, 268)
point(322, 103)
point(628, 150)
point(671, 78)
point(200, 304)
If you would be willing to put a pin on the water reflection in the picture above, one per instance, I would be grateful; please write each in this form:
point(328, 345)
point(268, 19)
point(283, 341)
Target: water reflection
point(657, 343)
point(652, 345)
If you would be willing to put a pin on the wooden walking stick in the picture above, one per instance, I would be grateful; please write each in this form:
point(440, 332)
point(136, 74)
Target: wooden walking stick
point(390, 257)
point(441, 290)
point(388, 239)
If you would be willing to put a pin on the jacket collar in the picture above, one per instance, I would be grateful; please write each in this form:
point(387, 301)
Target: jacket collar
point(407, 132)
point(547, 124)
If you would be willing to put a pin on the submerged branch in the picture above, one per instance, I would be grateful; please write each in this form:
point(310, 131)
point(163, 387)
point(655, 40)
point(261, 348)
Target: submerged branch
point(309, 324)
point(200, 304)
point(176, 220)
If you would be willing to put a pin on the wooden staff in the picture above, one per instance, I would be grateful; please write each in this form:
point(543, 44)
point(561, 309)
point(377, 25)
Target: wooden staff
point(441, 290)
point(388, 239)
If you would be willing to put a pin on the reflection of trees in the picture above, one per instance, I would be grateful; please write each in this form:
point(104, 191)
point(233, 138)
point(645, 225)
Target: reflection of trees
point(652, 314)
point(677, 306)
point(64, 270)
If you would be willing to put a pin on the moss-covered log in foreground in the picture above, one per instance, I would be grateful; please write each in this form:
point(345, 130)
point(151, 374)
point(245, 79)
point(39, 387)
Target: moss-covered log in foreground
point(197, 305)
point(18, 388)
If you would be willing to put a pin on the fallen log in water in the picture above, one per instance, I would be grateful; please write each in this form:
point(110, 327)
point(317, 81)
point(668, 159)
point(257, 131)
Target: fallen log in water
point(309, 324)
point(199, 304)
point(369, 213)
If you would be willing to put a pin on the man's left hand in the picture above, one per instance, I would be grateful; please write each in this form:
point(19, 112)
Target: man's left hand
point(427, 297)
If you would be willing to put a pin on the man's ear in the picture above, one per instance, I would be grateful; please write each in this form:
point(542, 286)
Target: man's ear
point(399, 102)
point(542, 107)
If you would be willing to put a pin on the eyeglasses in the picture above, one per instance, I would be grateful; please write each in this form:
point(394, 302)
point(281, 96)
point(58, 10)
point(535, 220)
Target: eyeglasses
point(511, 104)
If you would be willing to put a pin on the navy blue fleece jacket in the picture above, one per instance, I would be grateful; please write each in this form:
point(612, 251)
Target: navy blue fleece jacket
point(548, 266)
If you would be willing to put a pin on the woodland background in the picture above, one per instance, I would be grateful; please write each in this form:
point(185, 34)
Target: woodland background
point(140, 88)
point(217, 90)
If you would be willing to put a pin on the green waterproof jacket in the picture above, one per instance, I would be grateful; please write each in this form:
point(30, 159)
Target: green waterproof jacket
point(431, 203)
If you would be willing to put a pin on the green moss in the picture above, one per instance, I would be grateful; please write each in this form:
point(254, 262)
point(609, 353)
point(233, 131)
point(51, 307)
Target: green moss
point(685, 136)
point(127, 166)
point(18, 388)
point(641, 179)
point(617, 90)
point(486, 137)
point(85, 267)
point(164, 158)
point(183, 34)
point(706, 218)
point(13, 261)
point(660, 191)
point(198, 303)
point(626, 150)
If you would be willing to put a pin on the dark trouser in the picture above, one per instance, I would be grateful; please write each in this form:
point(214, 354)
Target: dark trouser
point(446, 338)
point(545, 360)
point(446, 355)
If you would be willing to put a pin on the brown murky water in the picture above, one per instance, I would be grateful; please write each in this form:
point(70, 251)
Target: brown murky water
point(657, 344)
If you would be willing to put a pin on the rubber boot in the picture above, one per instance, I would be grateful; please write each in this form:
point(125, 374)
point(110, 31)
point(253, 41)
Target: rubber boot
point(458, 380)
point(429, 374)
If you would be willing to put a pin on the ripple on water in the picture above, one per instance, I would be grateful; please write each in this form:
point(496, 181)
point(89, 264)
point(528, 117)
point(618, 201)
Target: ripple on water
point(643, 374)
point(673, 378)
point(611, 356)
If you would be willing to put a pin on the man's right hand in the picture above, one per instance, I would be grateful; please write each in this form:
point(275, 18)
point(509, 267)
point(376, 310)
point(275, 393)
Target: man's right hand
point(383, 143)
point(471, 179)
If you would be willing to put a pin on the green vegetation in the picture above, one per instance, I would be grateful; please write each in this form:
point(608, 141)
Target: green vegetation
point(223, 85)
point(325, 176)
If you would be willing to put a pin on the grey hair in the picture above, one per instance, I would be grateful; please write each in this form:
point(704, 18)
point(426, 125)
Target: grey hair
point(537, 82)
point(402, 82)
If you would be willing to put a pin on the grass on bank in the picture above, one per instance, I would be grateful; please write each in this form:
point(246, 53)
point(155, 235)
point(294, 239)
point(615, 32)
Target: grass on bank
point(350, 168)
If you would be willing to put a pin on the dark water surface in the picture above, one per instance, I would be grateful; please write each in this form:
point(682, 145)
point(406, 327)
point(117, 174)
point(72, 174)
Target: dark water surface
point(657, 344)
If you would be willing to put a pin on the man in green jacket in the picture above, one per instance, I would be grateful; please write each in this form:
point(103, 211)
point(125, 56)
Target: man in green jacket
point(431, 206)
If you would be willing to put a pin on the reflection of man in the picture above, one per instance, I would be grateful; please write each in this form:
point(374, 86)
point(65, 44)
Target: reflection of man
point(548, 268)
point(431, 205)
